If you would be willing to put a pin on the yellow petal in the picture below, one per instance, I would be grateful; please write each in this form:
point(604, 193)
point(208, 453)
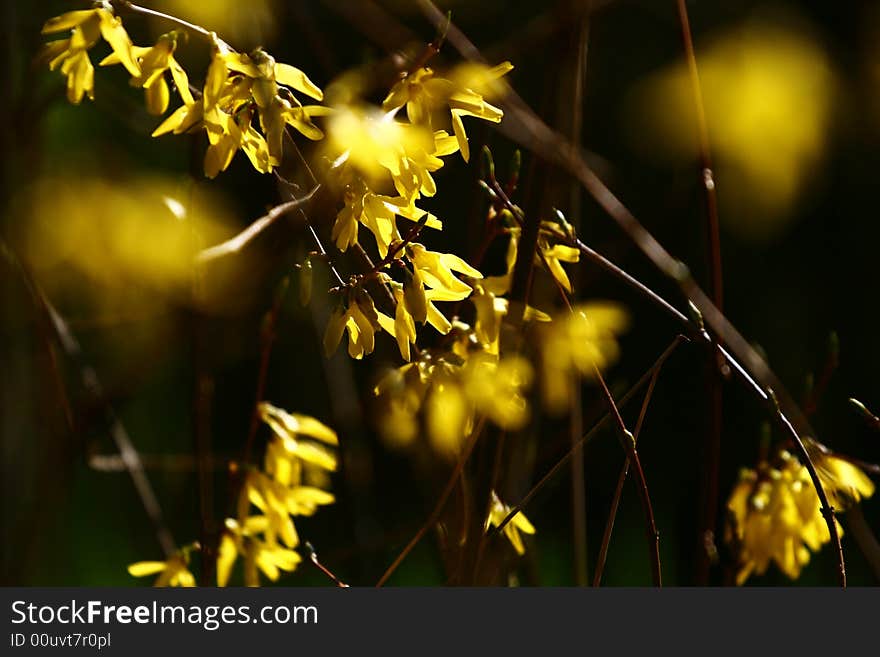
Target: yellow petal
point(144, 568)
point(460, 136)
point(227, 553)
point(67, 21)
point(293, 77)
point(334, 330)
point(114, 34)
point(181, 81)
point(214, 81)
point(157, 97)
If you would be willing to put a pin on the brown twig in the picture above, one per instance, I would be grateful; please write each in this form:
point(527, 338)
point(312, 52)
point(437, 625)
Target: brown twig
point(267, 340)
point(441, 502)
point(111, 463)
point(125, 5)
point(626, 438)
point(712, 443)
point(621, 479)
point(597, 426)
point(814, 396)
point(627, 441)
point(127, 451)
point(313, 557)
point(578, 478)
point(527, 129)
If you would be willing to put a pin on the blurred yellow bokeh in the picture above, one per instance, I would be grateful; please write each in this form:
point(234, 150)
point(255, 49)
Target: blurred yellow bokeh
point(244, 24)
point(767, 89)
point(115, 241)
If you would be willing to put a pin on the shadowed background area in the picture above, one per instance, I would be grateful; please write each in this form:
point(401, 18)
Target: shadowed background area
point(91, 220)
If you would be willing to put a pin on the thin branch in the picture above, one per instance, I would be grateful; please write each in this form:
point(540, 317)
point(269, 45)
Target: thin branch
point(523, 126)
point(267, 340)
point(707, 175)
point(127, 451)
point(313, 557)
point(110, 463)
point(576, 421)
point(441, 503)
point(621, 479)
point(627, 441)
point(870, 419)
point(712, 443)
point(239, 242)
point(125, 5)
point(597, 426)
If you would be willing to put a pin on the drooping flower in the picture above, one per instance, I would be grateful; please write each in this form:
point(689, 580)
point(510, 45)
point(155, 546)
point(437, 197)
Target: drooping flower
point(775, 515)
point(423, 94)
point(154, 62)
point(436, 270)
point(358, 316)
point(172, 572)
point(377, 213)
point(239, 91)
point(579, 343)
point(86, 27)
point(266, 539)
point(519, 523)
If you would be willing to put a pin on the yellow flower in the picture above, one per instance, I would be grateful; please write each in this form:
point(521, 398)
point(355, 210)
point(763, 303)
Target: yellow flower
point(553, 256)
point(173, 572)
point(580, 342)
point(436, 270)
point(237, 88)
point(86, 27)
point(844, 482)
point(775, 514)
point(775, 517)
point(269, 497)
point(291, 428)
point(402, 327)
point(519, 523)
point(181, 120)
point(496, 387)
point(449, 416)
point(227, 553)
point(377, 213)
point(153, 63)
point(423, 94)
point(260, 554)
point(377, 147)
point(358, 316)
point(452, 388)
point(269, 558)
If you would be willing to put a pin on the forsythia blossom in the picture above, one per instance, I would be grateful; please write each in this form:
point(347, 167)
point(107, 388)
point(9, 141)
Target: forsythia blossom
point(172, 572)
point(775, 515)
point(423, 93)
point(86, 27)
point(519, 523)
point(581, 342)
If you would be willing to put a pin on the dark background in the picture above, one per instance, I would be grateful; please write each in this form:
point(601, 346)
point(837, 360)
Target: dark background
point(66, 524)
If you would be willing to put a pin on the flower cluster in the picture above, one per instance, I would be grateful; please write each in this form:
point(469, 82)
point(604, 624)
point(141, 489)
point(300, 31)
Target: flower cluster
point(240, 92)
point(775, 515)
point(383, 166)
point(86, 27)
point(297, 456)
point(451, 388)
point(238, 89)
point(290, 484)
